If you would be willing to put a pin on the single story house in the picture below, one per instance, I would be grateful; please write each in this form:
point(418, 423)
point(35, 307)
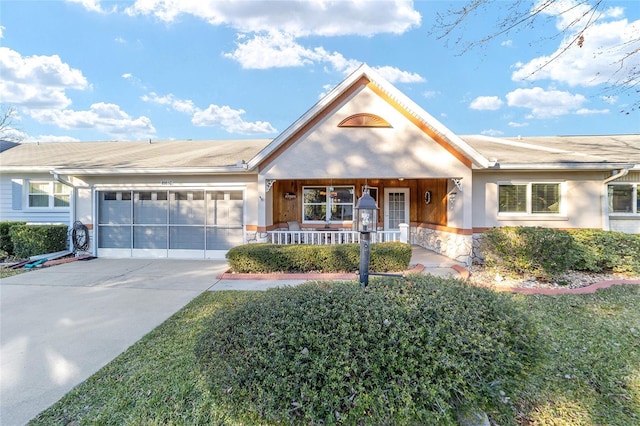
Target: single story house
point(196, 199)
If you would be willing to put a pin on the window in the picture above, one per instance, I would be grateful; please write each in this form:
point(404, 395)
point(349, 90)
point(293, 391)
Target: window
point(529, 198)
point(624, 198)
point(328, 203)
point(48, 195)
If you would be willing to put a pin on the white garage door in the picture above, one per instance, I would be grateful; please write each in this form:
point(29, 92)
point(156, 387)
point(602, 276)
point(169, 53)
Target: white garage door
point(200, 223)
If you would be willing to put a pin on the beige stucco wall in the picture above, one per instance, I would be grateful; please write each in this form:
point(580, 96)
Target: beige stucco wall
point(582, 199)
point(327, 150)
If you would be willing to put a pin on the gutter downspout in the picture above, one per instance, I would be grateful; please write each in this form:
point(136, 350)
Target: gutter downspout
point(605, 190)
point(72, 210)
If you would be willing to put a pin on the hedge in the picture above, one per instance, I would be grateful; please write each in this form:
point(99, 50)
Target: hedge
point(268, 258)
point(32, 240)
point(6, 244)
point(546, 252)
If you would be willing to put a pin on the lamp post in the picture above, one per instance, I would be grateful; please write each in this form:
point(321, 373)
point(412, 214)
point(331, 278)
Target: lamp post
point(366, 222)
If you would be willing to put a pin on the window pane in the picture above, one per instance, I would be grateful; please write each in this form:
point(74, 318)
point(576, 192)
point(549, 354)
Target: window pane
point(61, 200)
point(621, 198)
point(315, 195)
point(38, 201)
point(315, 212)
point(545, 198)
point(59, 188)
point(512, 198)
point(39, 188)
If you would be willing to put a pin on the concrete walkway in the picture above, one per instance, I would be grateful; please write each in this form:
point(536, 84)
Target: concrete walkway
point(59, 325)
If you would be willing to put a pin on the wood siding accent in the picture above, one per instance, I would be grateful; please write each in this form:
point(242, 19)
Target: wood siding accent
point(290, 209)
point(422, 126)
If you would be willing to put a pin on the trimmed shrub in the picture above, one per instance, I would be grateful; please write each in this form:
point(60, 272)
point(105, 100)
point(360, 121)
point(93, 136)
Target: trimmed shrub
point(32, 240)
point(266, 258)
point(542, 252)
point(607, 250)
point(397, 352)
point(6, 244)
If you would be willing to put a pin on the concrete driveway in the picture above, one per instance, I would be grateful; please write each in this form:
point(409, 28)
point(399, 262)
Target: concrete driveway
point(60, 325)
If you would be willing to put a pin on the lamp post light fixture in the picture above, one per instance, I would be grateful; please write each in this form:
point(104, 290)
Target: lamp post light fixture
point(366, 222)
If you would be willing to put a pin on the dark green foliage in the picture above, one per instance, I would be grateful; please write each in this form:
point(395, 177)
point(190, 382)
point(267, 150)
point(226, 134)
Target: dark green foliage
point(602, 250)
point(542, 252)
point(545, 252)
point(265, 258)
point(6, 244)
point(32, 240)
point(399, 352)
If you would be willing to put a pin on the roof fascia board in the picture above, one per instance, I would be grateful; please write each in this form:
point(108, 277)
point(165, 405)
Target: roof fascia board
point(563, 166)
point(425, 121)
point(176, 171)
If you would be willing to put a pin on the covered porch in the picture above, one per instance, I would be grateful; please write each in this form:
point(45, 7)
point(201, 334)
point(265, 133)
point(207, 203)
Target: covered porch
point(320, 211)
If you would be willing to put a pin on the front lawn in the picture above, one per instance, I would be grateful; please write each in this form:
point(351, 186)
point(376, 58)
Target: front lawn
point(590, 374)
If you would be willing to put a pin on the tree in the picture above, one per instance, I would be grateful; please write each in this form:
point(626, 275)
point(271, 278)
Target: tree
point(573, 19)
point(7, 131)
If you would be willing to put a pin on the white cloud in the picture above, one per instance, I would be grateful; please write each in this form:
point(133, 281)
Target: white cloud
point(484, 103)
point(299, 18)
point(599, 60)
point(37, 81)
point(517, 125)
point(184, 106)
point(492, 132)
point(230, 120)
point(104, 117)
point(586, 111)
point(2, 31)
point(127, 75)
point(214, 116)
point(507, 43)
point(394, 75)
point(272, 50)
point(92, 5)
point(545, 103)
point(277, 49)
point(50, 138)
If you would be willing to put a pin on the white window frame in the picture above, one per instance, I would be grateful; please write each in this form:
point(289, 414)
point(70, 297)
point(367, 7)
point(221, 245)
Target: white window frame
point(528, 212)
point(635, 210)
point(51, 195)
point(328, 203)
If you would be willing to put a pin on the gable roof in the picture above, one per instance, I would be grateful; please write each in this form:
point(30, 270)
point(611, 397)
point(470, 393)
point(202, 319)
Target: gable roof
point(133, 157)
point(365, 75)
point(553, 152)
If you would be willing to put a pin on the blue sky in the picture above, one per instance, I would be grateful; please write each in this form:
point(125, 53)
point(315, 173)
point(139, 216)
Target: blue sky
point(193, 69)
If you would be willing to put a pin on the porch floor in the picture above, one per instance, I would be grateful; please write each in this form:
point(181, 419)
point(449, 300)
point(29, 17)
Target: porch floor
point(431, 259)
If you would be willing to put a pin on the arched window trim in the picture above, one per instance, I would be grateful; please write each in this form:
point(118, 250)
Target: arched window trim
point(364, 120)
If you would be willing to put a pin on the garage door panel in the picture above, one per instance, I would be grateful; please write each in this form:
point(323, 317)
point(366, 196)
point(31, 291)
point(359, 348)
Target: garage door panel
point(186, 237)
point(150, 237)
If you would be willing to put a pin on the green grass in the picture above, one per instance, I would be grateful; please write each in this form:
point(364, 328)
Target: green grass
point(590, 374)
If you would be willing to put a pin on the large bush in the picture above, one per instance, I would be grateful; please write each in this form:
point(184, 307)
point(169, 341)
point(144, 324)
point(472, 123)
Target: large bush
point(265, 258)
point(539, 251)
point(397, 352)
point(606, 250)
point(545, 252)
point(32, 240)
point(6, 245)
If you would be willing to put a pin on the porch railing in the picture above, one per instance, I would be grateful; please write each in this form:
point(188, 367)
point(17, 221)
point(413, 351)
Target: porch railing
point(327, 237)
